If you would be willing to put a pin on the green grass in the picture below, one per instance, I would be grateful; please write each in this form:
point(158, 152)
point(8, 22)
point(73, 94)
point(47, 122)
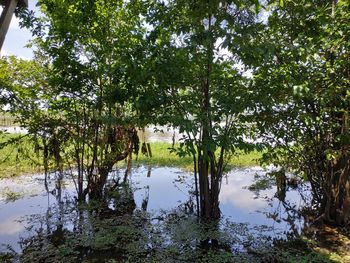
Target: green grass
point(241, 159)
point(14, 158)
point(6, 119)
point(18, 158)
point(163, 157)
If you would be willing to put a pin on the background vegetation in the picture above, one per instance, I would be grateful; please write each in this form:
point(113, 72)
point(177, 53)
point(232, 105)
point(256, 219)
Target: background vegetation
point(239, 79)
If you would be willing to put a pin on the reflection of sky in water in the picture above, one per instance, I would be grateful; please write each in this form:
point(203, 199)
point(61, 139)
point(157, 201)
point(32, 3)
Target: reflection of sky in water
point(165, 192)
point(10, 227)
point(234, 192)
point(33, 200)
point(243, 205)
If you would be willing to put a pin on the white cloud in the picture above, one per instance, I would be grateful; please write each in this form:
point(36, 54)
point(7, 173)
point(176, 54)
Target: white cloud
point(3, 52)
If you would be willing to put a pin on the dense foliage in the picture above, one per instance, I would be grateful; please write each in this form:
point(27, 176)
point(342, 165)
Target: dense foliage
point(83, 118)
point(302, 98)
point(104, 68)
point(198, 86)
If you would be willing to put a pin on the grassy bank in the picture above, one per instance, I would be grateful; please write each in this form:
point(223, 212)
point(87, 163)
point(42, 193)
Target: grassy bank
point(6, 119)
point(17, 158)
point(20, 158)
point(161, 156)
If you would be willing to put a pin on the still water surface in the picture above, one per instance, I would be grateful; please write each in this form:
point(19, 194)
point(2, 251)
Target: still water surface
point(164, 188)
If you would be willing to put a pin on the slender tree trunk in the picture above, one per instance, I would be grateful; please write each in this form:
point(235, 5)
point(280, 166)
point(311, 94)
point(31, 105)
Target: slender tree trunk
point(205, 200)
point(196, 182)
point(208, 172)
point(209, 190)
point(342, 190)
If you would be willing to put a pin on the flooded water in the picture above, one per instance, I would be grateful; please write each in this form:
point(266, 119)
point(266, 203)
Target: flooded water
point(148, 134)
point(13, 129)
point(159, 134)
point(155, 191)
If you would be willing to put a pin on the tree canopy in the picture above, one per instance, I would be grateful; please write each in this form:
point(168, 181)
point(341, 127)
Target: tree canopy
point(225, 73)
point(302, 97)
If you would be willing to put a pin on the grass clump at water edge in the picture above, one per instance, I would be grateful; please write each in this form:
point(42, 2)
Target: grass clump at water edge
point(6, 119)
point(17, 157)
point(20, 157)
point(163, 156)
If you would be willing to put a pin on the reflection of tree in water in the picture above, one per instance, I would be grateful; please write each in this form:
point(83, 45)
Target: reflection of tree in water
point(145, 200)
point(80, 231)
point(117, 229)
point(113, 230)
point(56, 235)
point(284, 209)
point(291, 212)
point(50, 230)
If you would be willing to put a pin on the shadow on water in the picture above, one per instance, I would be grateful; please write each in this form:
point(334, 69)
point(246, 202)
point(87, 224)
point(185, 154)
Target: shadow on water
point(148, 216)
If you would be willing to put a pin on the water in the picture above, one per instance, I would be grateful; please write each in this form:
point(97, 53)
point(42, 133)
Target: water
point(155, 190)
point(262, 207)
point(149, 134)
point(20, 198)
point(13, 129)
point(159, 134)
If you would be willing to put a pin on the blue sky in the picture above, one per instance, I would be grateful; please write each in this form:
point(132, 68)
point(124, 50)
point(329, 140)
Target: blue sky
point(17, 37)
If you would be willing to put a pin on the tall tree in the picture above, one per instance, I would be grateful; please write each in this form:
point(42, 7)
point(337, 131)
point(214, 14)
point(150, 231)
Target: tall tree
point(92, 50)
point(196, 84)
point(303, 85)
point(23, 83)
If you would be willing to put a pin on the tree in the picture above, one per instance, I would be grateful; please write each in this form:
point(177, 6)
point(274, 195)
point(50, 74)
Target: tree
point(23, 83)
point(303, 76)
point(196, 86)
point(19, 80)
point(91, 50)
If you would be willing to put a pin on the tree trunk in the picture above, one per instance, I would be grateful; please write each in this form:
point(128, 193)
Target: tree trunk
point(209, 190)
point(205, 200)
point(342, 192)
point(336, 186)
point(209, 172)
point(337, 192)
point(113, 155)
